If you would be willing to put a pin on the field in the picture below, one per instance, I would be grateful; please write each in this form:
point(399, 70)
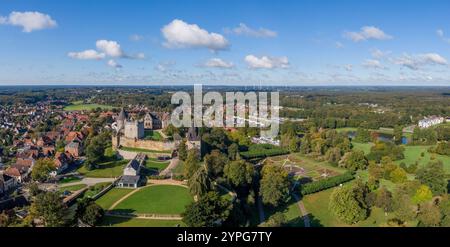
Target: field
point(108, 199)
point(79, 106)
point(362, 146)
point(317, 206)
point(152, 135)
point(156, 165)
point(413, 154)
point(109, 169)
point(156, 199)
point(305, 168)
point(72, 188)
point(290, 211)
point(124, 222)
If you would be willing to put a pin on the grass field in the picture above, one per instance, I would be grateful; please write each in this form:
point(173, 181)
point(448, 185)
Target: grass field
point(124, 222)
point(72, 188)
point(108, 199)
point(109, 169)
point(79, 106)
point(363, 146)
point(290, 211)
point(152, 135)
point(156, 165)
point(413, 154)
point(317, 206)
point(157, 199)
point(141, 150)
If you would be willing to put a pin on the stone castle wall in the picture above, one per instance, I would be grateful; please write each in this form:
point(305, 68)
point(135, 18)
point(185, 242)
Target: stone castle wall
point(144, 144)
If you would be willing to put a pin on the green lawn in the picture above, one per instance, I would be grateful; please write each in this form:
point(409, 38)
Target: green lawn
point(109, 169)
point(346, 129)
point(413, 154)
point(156, 165)
point(124, 222)
point(317, 206)
point(141, 150)
point(290, 211)
point(94, 190)
point(152, 135)
point(363, 146)
point(72, 188)
point(158, 199)
point(108, 199)
point(79, 106)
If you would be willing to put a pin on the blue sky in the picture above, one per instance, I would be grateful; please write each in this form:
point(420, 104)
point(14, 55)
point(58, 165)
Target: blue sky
point(225, 42)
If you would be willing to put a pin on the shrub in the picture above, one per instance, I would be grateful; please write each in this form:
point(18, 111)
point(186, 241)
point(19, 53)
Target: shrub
point(327, 183)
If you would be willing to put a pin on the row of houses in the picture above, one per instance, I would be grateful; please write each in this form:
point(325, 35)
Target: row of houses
point(430, 121)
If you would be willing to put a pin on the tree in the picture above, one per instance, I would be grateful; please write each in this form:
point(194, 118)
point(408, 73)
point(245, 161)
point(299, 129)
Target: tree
point(199, 183)
point(182, 151)
point(362, 135)
point(354, 160)
point(433, 175)
point(215, 163)
point(423, 194)
point(239, 173)
point(398, 175)
point(191, 164)
point(398, 134)
point(403, 209)
point(345, 205)
point(34, 189)
point(49, 207)
point(42, 168)
point(233, 151)
point(95, 151)
point(429, 215)
point(384, 200)
point(274, 185)
point(276, 220)
point(333, 155)
point(210, 210)
point(89, 212)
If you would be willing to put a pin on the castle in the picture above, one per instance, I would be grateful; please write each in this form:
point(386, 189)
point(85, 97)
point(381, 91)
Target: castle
point(131, 132)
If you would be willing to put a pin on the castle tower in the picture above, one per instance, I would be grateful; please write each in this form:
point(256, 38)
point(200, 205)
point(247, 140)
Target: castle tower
point(121, 120)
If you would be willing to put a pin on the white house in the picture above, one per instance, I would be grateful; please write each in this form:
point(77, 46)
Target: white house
point(132, 172)
point(430, 121)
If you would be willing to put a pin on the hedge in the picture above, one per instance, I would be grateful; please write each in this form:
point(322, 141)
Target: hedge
point(327, 183)
point(262, 151)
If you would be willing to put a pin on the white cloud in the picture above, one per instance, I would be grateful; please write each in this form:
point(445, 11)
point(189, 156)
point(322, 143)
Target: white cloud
point(415, 62)
point(114, 64)
point(164, 66)
point(339, 45)
point(29, 21)
point(136, 37)
point(373, 64)
point(109, 47)
point(179, 34)
point(87, 55)
point(243, 29)
point(218, 63)
point(266, 62)
point(376, 53)
point(366, 33)
point(440, 33)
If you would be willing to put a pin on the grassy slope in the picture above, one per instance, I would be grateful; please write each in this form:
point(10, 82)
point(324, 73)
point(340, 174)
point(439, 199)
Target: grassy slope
point(79, 106)
point(156, 165)
point(159, 199)
point(106, 170)
point(72, 187)
point(108, 199)
point(123, 222)
point(291, 212)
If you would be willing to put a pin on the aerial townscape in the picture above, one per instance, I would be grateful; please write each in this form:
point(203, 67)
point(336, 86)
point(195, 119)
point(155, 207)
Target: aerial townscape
point(273, 115)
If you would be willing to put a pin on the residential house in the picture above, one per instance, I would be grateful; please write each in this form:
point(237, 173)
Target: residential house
point(74, 148)
point(430, 121)
point(19, 172)
point(131, 173)
point(7, 183)
point(62, 162)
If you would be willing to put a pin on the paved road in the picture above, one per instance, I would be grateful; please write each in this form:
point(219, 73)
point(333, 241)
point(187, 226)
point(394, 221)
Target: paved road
point(173, 164)
point(303, 211)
